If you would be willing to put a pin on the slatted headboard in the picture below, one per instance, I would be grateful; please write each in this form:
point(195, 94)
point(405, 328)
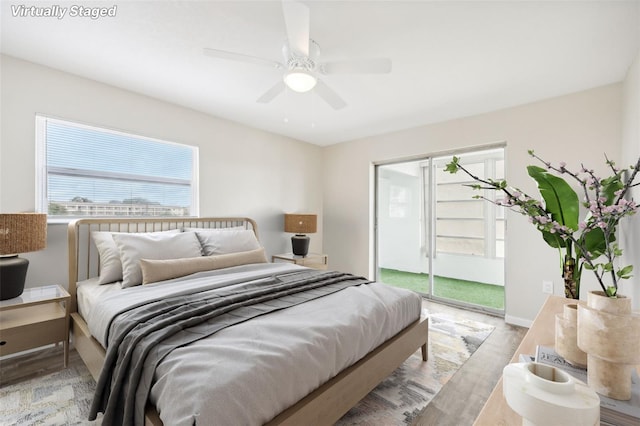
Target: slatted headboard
point(84, 262)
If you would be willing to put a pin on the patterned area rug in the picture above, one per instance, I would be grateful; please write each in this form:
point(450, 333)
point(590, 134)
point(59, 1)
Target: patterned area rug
point(64, 397)
point(60, 398)
point(400, 398)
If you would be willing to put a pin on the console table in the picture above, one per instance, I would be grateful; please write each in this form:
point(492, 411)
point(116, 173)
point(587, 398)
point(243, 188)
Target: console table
point(496, 411)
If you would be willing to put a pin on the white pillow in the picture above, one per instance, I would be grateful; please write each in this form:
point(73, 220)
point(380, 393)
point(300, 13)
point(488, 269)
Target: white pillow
point(110, 264)
point(134, 247)
point(230, 228)
point(222, 241)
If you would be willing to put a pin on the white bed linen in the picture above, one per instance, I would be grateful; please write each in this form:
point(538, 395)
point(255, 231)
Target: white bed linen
point(90, 293)
point(99, 317)
point(248, 373)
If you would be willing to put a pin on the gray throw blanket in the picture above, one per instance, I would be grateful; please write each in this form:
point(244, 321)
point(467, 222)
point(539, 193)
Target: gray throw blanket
point(141, 337)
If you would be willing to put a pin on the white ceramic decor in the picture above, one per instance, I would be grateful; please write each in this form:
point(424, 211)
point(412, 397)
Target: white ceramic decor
point(566, 343)
point(609, 332)
point(546, 396)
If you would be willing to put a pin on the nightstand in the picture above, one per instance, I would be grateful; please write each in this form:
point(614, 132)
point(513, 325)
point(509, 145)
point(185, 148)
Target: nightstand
point(38, 317)
point(315, 261)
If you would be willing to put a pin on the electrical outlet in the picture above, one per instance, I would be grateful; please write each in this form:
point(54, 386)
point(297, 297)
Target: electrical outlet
point(547, 287)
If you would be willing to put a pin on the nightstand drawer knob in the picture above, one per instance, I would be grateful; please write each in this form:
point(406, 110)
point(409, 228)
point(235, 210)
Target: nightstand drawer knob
point(3, 342)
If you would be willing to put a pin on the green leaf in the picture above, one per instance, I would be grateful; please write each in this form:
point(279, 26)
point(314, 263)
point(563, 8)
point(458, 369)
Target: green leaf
point(554, 240)
point(609, 186)
point(617, 251)
point(625, 273)
point(587, 266)
point(612, 291)
point(452, 167)
point(595, 243)
point(560, 199)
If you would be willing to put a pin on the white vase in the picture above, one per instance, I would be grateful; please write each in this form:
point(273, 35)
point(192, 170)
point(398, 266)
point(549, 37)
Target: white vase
point(610, 335)
point(546, 396)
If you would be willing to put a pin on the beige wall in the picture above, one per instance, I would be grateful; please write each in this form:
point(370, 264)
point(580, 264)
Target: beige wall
point(243, 171)
point(272, 174)
point(630, 229)
point(574, 128)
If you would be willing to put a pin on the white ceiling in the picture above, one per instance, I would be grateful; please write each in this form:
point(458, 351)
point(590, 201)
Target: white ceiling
point(450, 58)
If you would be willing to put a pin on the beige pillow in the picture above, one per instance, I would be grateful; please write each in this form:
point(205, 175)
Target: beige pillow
point(160, 270)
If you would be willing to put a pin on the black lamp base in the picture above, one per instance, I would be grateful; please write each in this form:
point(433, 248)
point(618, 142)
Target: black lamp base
point(300, 244)
point(13, 271)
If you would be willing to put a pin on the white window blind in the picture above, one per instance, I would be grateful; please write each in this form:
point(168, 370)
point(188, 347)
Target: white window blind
point(90, 171)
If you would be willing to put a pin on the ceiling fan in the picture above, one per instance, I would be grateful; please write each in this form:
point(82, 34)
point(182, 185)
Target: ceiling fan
point(301, 66)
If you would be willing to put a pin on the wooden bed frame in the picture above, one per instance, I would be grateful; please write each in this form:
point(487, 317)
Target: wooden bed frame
point(323, 406)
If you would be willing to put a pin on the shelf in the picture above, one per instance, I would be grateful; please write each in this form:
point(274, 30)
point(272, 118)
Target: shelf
point(312, 260)
point(31, 315)
point(36, 318)
point(35, 296)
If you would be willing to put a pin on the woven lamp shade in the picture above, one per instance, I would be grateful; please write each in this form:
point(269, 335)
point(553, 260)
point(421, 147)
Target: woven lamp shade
point(301, 223)
point(22, 232)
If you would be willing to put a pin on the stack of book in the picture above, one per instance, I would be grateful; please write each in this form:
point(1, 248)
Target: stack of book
point(612, 411)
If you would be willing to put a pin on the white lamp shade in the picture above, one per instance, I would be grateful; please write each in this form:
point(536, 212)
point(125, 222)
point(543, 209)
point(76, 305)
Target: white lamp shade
point(300, 80)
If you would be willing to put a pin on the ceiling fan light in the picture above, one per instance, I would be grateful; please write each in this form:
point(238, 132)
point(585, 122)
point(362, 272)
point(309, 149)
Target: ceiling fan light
point(300, 80)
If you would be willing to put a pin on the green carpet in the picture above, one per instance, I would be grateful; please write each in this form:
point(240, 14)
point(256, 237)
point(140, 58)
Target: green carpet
point(473, 292)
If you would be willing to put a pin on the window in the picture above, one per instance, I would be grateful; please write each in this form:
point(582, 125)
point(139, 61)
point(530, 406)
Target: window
point(90, 171)
point(399, 201)
point(465, 225)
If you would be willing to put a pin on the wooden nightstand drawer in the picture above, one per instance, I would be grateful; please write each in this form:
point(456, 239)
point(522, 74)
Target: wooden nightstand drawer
point(312, 260)
point(314, 265)
point(32, 327)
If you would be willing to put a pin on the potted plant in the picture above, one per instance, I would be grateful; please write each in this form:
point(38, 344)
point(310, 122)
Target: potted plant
point(605, 328)
point(589, 243)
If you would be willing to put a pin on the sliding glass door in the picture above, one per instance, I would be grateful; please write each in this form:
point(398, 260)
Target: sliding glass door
point(433, 237)
point(401, 237)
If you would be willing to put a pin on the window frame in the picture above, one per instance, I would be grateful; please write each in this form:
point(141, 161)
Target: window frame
point(43, 170)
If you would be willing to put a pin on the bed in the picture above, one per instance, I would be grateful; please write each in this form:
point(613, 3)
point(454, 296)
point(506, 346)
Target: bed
point(354, 363)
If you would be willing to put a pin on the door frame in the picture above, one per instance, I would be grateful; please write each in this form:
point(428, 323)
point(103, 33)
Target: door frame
point(427, 210)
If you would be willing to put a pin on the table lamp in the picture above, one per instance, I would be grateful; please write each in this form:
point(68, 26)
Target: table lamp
point(19, 233)
point(300, 224)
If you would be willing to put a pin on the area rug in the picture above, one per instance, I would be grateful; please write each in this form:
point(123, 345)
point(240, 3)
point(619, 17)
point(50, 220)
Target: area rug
point(64, 397)
point(400, 398)
point(60, 398)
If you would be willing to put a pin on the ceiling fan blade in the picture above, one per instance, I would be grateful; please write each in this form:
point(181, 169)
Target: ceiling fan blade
point(296, 18)
point(222, 54)
point(329, 96)
point(272, 93)
point(358, 66)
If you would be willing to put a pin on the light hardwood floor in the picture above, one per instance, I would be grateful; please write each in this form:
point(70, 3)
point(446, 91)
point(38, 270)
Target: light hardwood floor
point(34, 364)
point(458, 402)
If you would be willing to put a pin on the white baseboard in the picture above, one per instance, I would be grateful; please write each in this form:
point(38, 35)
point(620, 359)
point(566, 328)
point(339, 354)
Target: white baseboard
point(522, 322)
